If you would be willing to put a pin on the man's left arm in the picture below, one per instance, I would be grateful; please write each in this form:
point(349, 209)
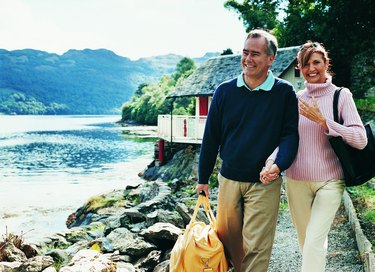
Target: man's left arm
point(289, 136)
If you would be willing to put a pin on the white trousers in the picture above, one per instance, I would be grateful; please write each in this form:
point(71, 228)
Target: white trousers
point(313, 206)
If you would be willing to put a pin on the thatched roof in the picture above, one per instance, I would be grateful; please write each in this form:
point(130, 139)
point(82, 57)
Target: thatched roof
point(216, 70)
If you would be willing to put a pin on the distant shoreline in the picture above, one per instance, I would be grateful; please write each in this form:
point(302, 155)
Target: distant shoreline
point(137, 129)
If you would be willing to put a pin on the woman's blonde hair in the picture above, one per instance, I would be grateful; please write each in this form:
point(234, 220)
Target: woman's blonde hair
point(308, 49)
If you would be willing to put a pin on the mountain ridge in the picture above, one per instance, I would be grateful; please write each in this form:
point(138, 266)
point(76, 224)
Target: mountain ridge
point(88, 81)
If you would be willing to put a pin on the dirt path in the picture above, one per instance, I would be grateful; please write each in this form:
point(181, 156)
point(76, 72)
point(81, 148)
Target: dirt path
point(343, 254)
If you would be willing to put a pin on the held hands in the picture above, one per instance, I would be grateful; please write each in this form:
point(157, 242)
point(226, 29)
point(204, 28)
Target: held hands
point(312, 112)
point(270, 172)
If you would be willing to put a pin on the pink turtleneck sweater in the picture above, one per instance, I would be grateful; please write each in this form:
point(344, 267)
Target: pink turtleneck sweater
point(316, 160)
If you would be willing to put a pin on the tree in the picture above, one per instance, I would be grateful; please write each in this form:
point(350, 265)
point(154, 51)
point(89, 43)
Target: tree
point(139, 91)
point(150, 100)
point(345, 27)
point(184, 68)
point(303, 21)
point(255, 13)
point(349, 30)
point(227, 51)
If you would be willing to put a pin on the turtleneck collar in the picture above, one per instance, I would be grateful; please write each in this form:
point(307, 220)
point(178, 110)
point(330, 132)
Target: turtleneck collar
point(320, 89)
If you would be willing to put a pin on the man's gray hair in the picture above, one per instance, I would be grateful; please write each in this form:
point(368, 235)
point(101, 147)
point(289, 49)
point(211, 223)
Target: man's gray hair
point(270, 39)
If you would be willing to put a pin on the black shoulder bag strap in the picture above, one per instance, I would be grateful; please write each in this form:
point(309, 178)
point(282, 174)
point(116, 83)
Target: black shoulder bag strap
point(335, 105)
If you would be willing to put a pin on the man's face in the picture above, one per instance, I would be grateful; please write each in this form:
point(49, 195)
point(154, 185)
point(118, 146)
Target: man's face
point(254, 61)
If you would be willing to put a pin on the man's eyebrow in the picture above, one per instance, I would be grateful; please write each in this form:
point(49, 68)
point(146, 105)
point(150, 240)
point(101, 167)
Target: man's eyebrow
point(251, 51)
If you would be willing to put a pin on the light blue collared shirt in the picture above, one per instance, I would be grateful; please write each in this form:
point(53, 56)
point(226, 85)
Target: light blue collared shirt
point(265, 86)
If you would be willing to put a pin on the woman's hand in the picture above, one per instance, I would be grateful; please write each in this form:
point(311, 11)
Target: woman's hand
point(270, 172)
point(312, 112)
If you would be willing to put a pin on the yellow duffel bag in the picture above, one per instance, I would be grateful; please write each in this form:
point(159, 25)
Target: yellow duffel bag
point(199, 247)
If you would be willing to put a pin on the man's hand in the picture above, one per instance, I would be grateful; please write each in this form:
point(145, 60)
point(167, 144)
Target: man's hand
point(203, 187)
point(270, 172)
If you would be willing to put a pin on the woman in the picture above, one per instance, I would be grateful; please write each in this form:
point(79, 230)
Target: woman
point(314, 182)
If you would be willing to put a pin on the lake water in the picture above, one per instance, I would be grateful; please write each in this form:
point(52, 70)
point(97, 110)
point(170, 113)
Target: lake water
point(50, 165)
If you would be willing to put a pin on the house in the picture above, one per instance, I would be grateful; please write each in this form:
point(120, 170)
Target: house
point(203, 82)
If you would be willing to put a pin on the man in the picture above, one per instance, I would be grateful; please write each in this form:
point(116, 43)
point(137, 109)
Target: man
point(249, 117)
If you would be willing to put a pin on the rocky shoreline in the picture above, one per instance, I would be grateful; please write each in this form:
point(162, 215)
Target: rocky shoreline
point(135, 229)
point(125, 230)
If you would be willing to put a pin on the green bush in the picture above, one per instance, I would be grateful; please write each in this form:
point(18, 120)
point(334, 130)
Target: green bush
point(149, 101)
point(367, 104)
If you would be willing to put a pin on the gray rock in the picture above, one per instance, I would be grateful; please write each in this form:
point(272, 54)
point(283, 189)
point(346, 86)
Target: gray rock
point(166, 216)
point(77, 234)
point(73, 249)
point(89, 260)
point(111, 223)
point(136, 228)
point(50, 269)
point(162, 234)
point(95, 229)
point(57, 240)
point(148, 263)
point(132, 216)
point(162, 267)
point(128, 243)
point(36, 264)
point(149, 192)
point(9, 266)
point(183, 211)
point(125, 267)
point(12, 253)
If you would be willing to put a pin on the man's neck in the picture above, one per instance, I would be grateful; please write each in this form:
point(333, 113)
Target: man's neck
point(252, 83)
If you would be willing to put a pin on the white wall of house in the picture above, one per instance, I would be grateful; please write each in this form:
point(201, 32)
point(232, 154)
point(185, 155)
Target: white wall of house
point(297, 81)
point(197, 106)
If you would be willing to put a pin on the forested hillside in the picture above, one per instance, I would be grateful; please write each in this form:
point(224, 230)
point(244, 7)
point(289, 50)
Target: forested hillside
point(77, 82)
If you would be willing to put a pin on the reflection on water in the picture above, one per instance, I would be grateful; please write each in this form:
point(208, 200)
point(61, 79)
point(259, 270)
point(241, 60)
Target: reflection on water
point(49, 166)
point(82, 148)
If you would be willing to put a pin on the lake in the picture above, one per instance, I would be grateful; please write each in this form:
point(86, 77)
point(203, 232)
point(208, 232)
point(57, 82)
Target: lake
point(50, 165)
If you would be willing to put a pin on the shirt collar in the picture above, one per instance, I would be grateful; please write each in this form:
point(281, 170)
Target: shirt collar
point(265, 86)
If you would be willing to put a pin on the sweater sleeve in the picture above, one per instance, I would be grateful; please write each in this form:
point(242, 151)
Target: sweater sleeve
point(289, 137)
point(352, 130)
point(211, 142)
point(273, 155)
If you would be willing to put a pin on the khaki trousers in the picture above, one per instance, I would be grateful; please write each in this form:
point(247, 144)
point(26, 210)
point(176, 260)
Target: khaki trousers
point(246, 220)
point(313, 206)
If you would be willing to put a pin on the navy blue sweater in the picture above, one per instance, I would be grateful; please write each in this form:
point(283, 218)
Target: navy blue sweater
point(246, 127)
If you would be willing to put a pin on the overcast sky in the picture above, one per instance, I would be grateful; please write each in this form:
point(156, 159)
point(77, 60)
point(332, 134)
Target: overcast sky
point(130, 28)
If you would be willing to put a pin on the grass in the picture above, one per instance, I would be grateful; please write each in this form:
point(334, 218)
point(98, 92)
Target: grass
point(58, 263)
point(363, 198)
point(100, 201)
point(283, 205)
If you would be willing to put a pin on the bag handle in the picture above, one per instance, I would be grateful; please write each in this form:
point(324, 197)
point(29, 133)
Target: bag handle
point(204, 201)
point(335, 105)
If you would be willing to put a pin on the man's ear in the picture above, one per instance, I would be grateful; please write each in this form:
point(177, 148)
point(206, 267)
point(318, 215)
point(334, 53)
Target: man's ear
point(271, 58)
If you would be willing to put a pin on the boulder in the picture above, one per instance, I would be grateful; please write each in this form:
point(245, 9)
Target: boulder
point(128, 243)
point(36, 264)
point(89, 260)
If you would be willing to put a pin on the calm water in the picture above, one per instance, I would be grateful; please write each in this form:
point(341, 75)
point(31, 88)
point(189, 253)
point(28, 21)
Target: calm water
point(49, 166)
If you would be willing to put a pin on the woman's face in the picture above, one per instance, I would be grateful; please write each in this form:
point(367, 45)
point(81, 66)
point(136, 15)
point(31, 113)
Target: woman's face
point(315, 70)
